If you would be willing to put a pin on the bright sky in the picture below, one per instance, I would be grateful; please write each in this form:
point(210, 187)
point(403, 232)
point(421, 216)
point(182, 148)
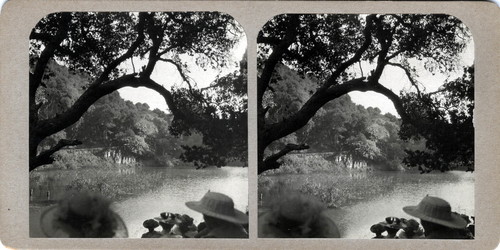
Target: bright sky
point(167, 75)
point(393, 77)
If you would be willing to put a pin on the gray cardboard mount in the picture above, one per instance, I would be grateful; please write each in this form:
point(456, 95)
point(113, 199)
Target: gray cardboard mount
point(18, 17)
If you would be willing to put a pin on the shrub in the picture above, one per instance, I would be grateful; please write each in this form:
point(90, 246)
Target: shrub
point(304, 163)
point(76, 159)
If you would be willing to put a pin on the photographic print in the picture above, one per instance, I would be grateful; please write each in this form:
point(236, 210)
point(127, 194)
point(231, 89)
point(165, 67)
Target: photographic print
point(138, 126)
point(365, 127)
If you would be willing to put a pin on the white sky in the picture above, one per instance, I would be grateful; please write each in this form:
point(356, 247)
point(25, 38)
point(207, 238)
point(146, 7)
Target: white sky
point(392, 78)
point(167, 75)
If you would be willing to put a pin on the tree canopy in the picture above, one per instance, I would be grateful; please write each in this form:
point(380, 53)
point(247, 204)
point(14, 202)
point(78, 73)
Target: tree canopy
point(326, 47)
point(93, 45)
point(444, 120)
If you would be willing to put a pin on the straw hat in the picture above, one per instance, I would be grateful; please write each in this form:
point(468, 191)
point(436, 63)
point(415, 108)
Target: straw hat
point(436, 210)
point(219, 206)
point(82, 212)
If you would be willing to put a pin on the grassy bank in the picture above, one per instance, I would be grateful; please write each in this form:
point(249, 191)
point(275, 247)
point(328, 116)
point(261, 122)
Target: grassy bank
point(332, 189)
point(85, 170)
point(332, 183)
point(116, 182)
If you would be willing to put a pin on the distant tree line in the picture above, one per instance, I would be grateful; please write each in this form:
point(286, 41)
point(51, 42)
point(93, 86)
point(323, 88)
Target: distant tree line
point(136, 130)
point(348, 131)
point(441, 136)
point(111, 122)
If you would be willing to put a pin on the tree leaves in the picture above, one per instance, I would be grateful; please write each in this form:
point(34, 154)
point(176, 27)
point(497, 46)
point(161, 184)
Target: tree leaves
point(445, 122)
point(325, 47)
point(94, 44)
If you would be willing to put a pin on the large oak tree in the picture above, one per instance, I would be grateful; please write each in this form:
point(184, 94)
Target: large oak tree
point(95, 44)
point(327, 47)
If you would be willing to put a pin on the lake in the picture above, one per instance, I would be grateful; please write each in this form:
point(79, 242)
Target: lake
point(355, 220)
point(178, 186)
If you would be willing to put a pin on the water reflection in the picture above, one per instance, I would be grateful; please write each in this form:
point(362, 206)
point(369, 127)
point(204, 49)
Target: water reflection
point(363, 207)
point(455, 187)
point(183, 185)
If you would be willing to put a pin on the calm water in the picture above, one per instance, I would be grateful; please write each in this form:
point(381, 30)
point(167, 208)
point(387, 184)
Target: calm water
point(183, 185)
point(354, 221)
point(179, 186)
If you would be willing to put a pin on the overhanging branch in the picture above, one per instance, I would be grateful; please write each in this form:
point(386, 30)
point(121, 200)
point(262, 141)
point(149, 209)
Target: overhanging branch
point(357, 56)
point(275, 57)
point(50, 48)
point(408, 75)
point(130, 52)
point(268, 40)
point(91, 95)
point(271, 161)
point(46, 157)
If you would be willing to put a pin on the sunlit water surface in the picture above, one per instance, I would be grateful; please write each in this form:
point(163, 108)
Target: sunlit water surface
point(179, 186)
point(409, 188)
point(183, 185)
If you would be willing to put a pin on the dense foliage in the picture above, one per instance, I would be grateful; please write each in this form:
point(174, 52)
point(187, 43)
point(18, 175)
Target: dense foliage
point(445, 120)
point(325, 49)
point(113, 124)
point(341, 128)
point(221, 111)
point(94, 46)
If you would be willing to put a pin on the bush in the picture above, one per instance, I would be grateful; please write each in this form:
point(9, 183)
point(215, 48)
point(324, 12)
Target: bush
point(76, 159)
point(341, 192)
point(332, 188)
point(303, 164)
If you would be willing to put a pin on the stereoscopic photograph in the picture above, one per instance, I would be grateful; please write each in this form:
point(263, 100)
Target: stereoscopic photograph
point(138, 126)
point(365, 127)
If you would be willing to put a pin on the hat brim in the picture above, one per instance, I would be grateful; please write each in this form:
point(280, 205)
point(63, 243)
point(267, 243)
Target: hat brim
point(238, 217)
point(455, 220)
point(51, 230)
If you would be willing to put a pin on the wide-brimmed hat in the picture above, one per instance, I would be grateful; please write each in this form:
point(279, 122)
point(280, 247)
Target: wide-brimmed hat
point(219, 206)
point(436, 210)
point(62, 220)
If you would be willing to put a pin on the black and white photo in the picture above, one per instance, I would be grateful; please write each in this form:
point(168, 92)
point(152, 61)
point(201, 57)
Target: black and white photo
point(132, 115)
point(360, 118)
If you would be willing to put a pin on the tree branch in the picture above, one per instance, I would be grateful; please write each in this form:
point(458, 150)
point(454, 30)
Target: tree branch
point(50, 126)
point(130, 52)
point(271, 161)
point(408, 74)
point(50, 48)
point(268, 40)
point(44, 37)
point(46, 157)
point(156, 34)
point(299, 119)
point(357, 56)
point(275, 57)
point(179, 69)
